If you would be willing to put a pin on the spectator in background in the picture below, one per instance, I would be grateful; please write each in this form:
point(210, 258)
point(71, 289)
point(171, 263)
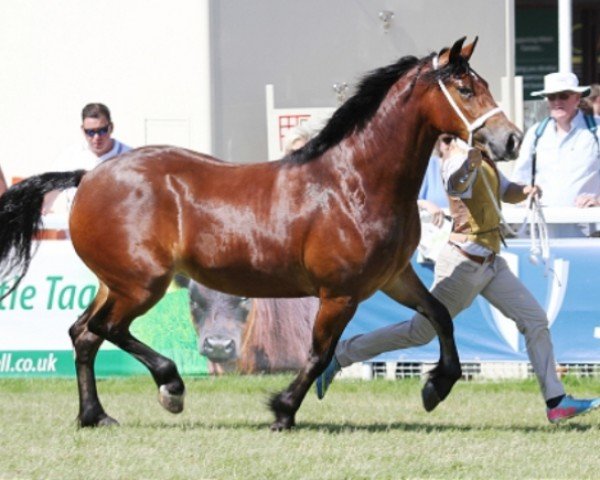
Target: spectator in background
point(590, 105)
point(301, 134)
point(567, 164)
point(432, 196)
point(435, 225)
point(97, 128)
point(98, 146)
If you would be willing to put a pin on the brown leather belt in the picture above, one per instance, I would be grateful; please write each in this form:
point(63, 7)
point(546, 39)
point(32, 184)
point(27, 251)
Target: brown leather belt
point(475, 258)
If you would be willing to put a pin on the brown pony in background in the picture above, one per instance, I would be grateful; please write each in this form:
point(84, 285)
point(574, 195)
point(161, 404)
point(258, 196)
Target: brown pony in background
point(250, 335)
point(277, 335)
point(337, 220)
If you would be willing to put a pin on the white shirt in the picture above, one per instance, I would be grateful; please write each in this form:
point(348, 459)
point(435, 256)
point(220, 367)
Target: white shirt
point(80, 156)
point(566, 165)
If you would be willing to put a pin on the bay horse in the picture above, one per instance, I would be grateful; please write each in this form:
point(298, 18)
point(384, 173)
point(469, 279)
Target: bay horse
point(336, 219)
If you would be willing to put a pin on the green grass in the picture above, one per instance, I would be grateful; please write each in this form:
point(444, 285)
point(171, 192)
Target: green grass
point(362, 429)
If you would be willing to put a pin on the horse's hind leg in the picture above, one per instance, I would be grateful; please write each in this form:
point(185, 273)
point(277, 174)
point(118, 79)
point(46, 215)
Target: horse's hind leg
point(109, 318)
point(114, 327)
point(332, 317)
point(408, 290)
point(86, 345)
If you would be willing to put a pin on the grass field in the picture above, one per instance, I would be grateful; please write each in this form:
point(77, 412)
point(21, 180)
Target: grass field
point(362, 429)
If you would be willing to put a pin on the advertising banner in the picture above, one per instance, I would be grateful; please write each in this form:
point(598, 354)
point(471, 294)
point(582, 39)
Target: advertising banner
point(36, 316)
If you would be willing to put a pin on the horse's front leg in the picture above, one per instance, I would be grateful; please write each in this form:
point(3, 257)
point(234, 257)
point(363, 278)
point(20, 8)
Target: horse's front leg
point(408, 290)
point(333, 316)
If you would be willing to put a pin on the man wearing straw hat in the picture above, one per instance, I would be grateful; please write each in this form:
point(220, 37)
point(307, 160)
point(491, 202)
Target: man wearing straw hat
point(562, 152)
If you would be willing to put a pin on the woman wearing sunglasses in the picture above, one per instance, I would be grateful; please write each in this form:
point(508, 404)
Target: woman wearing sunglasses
point(563, 156)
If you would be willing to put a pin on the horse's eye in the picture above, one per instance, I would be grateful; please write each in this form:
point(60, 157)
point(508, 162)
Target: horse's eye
point(196, 305)
point(465, 91)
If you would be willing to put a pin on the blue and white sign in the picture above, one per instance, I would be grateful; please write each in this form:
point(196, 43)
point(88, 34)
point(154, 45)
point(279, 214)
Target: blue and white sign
point(567, 288)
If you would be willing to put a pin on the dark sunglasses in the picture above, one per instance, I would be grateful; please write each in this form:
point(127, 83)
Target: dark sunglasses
point(447, 140)
point(560, 96)
point(90, 132)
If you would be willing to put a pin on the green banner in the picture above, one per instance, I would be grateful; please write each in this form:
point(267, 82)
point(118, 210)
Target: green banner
point(166, 328)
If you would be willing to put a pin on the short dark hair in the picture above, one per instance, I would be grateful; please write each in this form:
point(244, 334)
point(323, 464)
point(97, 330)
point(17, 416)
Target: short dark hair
point(95, 110)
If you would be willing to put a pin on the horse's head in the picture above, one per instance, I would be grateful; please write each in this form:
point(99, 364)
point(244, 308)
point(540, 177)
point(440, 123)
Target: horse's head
point(465, 107)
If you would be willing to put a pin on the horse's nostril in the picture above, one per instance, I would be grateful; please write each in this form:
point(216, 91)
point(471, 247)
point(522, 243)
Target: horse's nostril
point(512, 144)
point(207, 345)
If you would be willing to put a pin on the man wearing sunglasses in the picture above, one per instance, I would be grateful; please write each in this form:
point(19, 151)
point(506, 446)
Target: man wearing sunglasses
point(97, 146)
point(562, 153)
point(97, 129)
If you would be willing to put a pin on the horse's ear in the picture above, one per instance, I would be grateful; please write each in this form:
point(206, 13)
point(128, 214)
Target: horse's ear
point(467, 50)
point(451, 55)
point(456, 50)
point(443, 56)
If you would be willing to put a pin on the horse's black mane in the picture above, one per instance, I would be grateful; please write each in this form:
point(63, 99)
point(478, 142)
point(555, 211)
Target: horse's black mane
point(357, 110)
point(354, 114)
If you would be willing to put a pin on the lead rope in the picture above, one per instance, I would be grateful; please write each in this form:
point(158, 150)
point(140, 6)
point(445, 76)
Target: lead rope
point(538, 229)
point(537, 222)
point(539, 236)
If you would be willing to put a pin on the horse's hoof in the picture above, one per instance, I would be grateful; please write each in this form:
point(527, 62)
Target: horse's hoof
point(282, 424)
point(430, 396)
point(107, 422)
point(284, 412)
point(436, 389)
point(169, 401)
point(101, 421)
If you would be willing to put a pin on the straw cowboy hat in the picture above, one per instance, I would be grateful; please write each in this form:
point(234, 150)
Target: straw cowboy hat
point(561, 82)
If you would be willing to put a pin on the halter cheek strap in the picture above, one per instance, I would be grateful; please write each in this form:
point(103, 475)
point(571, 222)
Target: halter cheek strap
point(471, 127)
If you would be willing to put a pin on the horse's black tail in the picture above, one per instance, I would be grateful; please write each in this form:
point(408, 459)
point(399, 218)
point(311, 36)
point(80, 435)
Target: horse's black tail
point(21, 219)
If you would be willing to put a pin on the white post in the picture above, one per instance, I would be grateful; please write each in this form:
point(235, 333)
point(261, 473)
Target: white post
point(272, 130)
point(565, 53)
point(509, 46)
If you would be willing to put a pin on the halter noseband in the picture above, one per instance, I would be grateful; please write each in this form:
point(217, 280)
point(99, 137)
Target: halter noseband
point(471, 127)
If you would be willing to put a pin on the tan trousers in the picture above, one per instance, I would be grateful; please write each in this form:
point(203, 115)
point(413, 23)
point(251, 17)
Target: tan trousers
point(457, 282)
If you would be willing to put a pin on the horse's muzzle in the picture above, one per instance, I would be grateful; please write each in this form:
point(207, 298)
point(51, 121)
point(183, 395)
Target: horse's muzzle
point(218, 349)
point(501, 146)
